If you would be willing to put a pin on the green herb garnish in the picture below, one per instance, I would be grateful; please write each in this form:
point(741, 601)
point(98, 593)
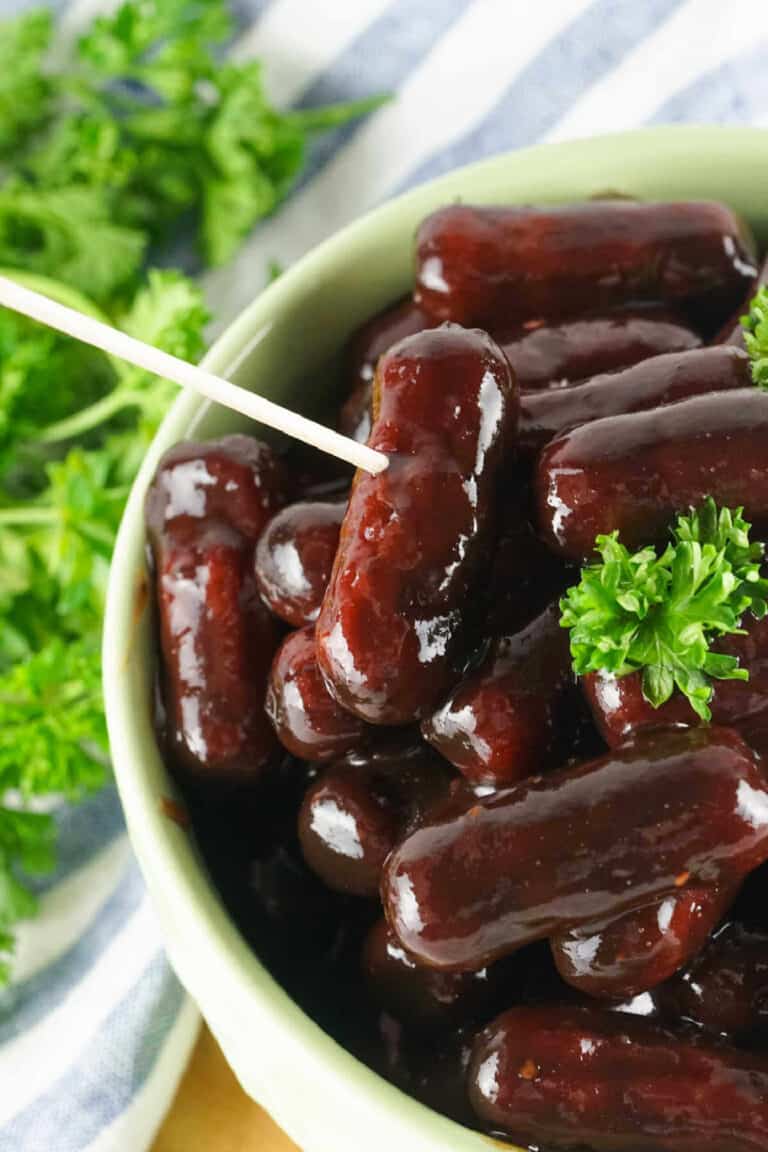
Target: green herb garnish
point(143, 124)
point(755, 325)
point(144, 131)
point(658, 614)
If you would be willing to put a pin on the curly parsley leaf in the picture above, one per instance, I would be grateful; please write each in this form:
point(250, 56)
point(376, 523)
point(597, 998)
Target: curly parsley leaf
point(69, 233)
point(25, 89)
point(659, 613)
point(53, 736)
point(755, 325)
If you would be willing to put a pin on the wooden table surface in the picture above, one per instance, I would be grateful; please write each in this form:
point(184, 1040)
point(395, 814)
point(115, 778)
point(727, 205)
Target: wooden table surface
point(212, 1112)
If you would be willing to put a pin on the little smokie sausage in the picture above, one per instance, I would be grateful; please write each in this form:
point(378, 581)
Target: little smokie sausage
point(725, 988)
point(567, 1077)
point(347, 827)
point(544, 354)
point(307, 720)
point(638, 951)
point(620, 710)
point(634, 473)
point(579, 846)
point(540, 354)
point(501, 723)
point(351, 819)
point(205, 510)
point(651, 384)
point(294, 558)
point(494, 265)
point(414, 536)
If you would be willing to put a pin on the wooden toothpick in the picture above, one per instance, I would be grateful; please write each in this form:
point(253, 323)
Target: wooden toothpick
point(116, 343)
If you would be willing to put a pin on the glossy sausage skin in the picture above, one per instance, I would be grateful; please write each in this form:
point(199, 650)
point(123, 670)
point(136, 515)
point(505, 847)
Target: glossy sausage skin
point(414, 536)
point(620, 709)
point(205, 509)
point(546, 354)
point(370, 342)
point(408, 989)
point(351, 818)
point(624, 957)
point(347, 827)
point(634, 473)
point(567, 1077)
point(294, 558)
point(236, 480)
point(306, 718)
point(579, 846)
point(501, 723)
point(493, 265)
point(652, 384)
point(725, 988)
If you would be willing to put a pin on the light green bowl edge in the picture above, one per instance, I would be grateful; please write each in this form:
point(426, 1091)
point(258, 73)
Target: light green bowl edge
point(698, 162)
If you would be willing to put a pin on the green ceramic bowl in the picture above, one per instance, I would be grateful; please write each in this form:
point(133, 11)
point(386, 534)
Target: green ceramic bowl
point(284, 346)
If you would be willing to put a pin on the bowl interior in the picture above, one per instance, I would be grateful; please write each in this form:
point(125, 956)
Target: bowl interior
point(286, 347)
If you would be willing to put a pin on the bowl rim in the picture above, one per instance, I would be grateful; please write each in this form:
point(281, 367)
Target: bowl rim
point(174, 874)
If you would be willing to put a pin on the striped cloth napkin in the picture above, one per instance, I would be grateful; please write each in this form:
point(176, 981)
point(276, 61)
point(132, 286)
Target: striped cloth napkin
point(95, 1030)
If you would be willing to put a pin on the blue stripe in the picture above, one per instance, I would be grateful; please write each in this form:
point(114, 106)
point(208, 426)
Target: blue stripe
point(379, 60)
point(736, 92)
point(82, 831)
point(9, 8)
point(24, 1004)
point(247, 12)
point(588, 48)
point(83, 1102)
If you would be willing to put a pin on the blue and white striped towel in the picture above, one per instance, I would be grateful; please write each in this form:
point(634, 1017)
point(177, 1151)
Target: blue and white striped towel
point(95, 1031)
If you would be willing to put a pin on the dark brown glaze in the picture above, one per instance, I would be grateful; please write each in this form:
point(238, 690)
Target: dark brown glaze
point(408, 989)
point(525, 575)
point(294, 558)
point(494, 265)
point(725, 988)
point(732, 332)
point(544, 354)
point(429, 1064)
point(351, 819)
point(566, 1077)
point(306, 718)
point(205, 509)
point(620, 709)
point(502, 722)
point(414, 536)
point(652, 384)
point(370, 342)
point(622, 958)
point(579, 846)
point(391, 749)
point(634, 473)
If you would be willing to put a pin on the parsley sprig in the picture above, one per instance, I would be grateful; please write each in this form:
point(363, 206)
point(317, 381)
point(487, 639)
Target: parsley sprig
point(755, 325)
point(143, 134)
point(144, 123)
point(659, 612)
